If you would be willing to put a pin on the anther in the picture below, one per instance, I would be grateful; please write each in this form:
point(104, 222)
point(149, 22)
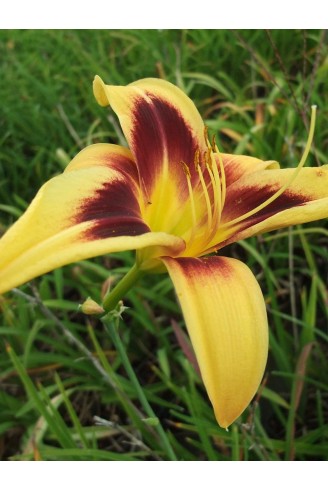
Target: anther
point(205, 155)
point(209, 156)
point(197, 159)
point(214, 147)
point(206, 134)
point(185, 168)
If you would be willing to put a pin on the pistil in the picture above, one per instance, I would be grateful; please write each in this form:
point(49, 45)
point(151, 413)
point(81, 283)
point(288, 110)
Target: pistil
point(280, 191)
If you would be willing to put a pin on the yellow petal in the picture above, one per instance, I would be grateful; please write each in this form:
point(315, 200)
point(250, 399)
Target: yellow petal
point(89, 210)
point(305, 200)
point(164, 131)
point(225, 314)
point(237, 166)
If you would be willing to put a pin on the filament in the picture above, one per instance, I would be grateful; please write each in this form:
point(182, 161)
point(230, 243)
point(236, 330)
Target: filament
point(192, 201)
point(223, 177)
point(207, 199)
point(216, 195)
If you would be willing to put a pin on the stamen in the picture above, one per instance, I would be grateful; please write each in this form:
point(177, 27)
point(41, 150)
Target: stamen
point(186, 170)
point(216, 195)
point(196, 159)
point(206, 134)
point(207, 199)
point(218, 185)
point(213, 144)
point(217, 201)
point(222, 180)
point(289, 182)
point(191, 197)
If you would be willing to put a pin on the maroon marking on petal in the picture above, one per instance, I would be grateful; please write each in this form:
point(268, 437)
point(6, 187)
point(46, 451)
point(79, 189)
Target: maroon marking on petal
point(159, 129)
point(237, 166)
point(198, 269)
point(110, 227)
point(113, 210)
point(232, 169)
point(221, 264)
point(241, 200)
point(122, 164)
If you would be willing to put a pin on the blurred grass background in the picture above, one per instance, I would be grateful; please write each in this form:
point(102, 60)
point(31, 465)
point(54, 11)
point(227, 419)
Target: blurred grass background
point(69, 388)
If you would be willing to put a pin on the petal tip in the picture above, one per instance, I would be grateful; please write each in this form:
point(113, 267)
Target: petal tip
point(225, 420)
point(99, 91)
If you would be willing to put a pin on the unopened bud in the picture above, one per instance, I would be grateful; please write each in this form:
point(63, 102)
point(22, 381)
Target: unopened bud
point(90, 307)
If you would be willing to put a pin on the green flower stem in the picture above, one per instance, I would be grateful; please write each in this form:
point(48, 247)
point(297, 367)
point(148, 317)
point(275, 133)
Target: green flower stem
point(111, 324)
point(113, 297)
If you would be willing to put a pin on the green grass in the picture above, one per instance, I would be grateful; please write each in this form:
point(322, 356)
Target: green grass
point(74, 389)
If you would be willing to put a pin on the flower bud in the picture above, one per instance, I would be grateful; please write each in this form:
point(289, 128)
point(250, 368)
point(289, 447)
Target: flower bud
point(90, 307)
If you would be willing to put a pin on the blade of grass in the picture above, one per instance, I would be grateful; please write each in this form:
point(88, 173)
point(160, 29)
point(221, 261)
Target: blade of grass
point(43, 404)
point(297, 389)
point(70, 409)
point(112, 328)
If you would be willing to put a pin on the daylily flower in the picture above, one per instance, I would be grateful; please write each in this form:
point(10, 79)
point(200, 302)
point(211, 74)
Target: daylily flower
point(174, 198)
